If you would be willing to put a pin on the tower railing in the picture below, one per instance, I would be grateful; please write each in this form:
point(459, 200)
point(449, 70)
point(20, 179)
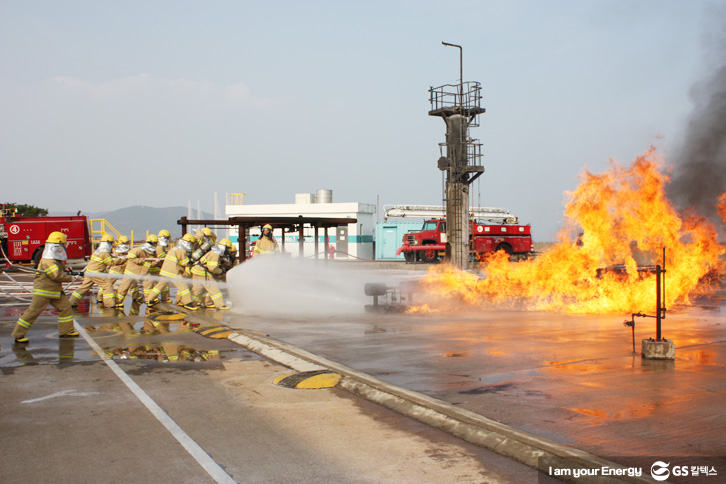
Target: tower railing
point(464, 99)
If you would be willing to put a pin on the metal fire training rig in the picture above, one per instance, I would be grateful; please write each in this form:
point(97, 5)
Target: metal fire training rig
point(658, 348)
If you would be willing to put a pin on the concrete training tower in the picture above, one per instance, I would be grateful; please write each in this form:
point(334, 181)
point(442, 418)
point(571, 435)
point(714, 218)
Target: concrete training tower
point(459, 106)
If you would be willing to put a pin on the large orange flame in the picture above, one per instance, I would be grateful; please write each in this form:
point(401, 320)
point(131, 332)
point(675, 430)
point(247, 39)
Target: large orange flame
point(721, 207)
point(619, 218)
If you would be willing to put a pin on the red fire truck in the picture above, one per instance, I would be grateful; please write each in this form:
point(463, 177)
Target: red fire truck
point(22, 239)
point(429, 243)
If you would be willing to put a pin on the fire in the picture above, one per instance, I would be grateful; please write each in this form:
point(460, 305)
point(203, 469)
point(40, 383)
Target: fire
point(616, 223)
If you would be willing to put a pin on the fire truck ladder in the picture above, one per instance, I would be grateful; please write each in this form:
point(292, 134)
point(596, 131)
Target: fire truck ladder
point(484, 214)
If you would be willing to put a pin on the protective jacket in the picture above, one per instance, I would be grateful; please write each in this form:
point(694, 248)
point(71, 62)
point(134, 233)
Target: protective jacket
point(136, 263)
point(101, 259)
point(209, 263)
point(265, 246)
point(50, 278)
point(176, 263)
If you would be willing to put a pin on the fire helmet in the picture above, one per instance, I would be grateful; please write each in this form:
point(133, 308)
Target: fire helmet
point(190, 238)
point(123, 239)
point(227, 243)
point(107, 238)
point(57, 238)
point(152, 239)
point(267, 227)
point(164, 233)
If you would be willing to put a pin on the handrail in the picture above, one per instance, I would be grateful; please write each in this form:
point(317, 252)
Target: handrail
point(105, 227)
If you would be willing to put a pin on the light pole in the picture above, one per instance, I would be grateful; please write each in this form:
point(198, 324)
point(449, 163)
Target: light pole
point(461, 72)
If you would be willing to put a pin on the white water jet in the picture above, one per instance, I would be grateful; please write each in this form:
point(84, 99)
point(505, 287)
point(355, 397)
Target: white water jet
point(294, 287)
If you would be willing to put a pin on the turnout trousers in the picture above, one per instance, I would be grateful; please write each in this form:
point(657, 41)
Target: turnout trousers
point(206, 284)
point(105, 286)
point(37, 306)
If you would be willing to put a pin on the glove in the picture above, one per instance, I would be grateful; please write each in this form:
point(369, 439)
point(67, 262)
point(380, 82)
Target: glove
point(76, 273)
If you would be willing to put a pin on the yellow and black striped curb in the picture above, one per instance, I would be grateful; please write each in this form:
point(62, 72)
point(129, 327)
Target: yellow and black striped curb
point(309, 380)
point(218, 331)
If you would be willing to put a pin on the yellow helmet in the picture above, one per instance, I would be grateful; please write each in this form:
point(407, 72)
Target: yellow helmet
point(107, 238)
point(207, 232)
point(123, 239)
point(151, 238)
point(190, 238)
point(164, 233)
point(267, 227)
point(57, 238)
point(227, 243)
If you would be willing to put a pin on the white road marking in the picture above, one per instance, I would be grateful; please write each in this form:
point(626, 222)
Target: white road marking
point(204, 460)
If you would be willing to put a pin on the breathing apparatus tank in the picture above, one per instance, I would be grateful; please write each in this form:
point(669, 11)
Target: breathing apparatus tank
point(203, 249)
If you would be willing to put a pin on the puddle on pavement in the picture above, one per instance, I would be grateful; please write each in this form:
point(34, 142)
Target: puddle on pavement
point(77, 351)
point(163, 352)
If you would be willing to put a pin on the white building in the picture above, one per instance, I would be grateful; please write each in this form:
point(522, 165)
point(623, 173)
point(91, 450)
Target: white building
point(354, 240)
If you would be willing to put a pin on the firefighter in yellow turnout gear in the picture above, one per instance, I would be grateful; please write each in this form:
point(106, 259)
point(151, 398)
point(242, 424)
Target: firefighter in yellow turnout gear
point(100, 262)
point(120, 253)
point(208, 271)
point(136, 265)
point(48, 289)
point(176, 265)
point(162, 247)
point(266, 244)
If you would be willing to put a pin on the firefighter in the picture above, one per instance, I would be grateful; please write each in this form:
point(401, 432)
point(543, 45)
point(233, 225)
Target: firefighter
point(100, 263)
point(266, 244)
point(207, 271)
point(176, 265)
point(48, 289)
point(161, 249)
point(117, 268)
point(136, 265)
point(205, 234)
point(230, 260)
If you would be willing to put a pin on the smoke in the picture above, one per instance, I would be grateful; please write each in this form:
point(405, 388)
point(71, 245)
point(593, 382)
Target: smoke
point(293, 287)
point(700, 163)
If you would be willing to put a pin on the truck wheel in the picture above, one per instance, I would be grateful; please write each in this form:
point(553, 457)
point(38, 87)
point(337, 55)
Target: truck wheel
point(37, 255)
point(506, 248)
point(375, 289)
point(409, 256)
point(429, 256)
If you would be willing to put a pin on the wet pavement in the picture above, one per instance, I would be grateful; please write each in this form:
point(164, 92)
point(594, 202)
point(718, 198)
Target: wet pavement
point(570, 378)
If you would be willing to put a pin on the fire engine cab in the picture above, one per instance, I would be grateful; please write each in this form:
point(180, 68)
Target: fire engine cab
point(22, 239)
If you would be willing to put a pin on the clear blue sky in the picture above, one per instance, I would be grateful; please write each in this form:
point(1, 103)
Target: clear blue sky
point(109, 104)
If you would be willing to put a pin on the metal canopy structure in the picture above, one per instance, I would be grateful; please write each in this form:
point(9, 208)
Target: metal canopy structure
point(289, 224)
